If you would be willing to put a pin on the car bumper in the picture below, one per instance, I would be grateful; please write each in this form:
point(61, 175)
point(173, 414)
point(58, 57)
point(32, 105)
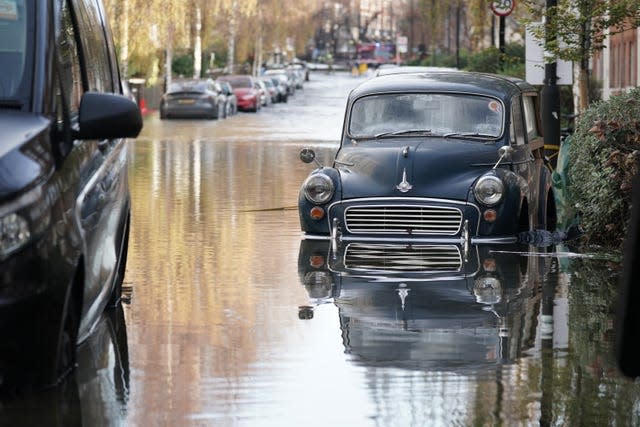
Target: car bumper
point(188, 111)
point(247, 104)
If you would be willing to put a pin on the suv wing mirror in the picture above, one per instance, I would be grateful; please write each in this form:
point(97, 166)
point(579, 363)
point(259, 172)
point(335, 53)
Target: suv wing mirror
point(108, 116)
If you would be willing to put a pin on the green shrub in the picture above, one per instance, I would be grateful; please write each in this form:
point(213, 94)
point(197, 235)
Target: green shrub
point(604, 158)
point(491, 60)
point(182, 65)
point(486, 61)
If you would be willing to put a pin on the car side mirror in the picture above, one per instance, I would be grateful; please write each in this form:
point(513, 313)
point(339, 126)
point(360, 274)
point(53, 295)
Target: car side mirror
point(108, 116)
point(505, 153)
point(307, 155)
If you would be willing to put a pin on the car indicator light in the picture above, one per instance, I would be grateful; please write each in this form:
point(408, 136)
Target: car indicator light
point(490, 215)
point(316, 213)
point(316, 261)
point(489, 265)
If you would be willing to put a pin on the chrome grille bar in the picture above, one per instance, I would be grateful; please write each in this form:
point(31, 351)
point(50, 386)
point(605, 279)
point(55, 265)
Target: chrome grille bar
point(403, 220)
point(416, 258)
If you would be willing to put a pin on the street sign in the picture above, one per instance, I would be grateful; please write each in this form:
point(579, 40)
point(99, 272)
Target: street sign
point(503, 7)
point(534, 63)
point(401, 44)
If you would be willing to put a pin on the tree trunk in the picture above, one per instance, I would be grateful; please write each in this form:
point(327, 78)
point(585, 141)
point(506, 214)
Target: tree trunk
point(197, 48)
point(124, 40)
point(231, 43)
point(583, 89)
point(168, 57)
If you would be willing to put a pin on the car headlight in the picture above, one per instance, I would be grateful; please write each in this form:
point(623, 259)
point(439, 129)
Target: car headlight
point(487, 290)
point(489, 190)
point(318, 188)
point(14, 234)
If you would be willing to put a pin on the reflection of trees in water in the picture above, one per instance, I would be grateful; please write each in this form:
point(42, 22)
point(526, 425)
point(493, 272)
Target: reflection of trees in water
point(590, 389)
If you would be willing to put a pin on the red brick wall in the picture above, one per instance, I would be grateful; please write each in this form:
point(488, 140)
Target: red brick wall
point(623, 61)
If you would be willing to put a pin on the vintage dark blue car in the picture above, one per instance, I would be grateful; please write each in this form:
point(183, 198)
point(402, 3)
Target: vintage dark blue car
point(434, 157)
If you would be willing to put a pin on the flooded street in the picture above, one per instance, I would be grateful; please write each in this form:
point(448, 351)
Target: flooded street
point(233, 320)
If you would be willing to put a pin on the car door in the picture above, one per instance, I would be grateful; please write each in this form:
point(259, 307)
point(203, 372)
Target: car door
point(528, 145)
point(103, 201)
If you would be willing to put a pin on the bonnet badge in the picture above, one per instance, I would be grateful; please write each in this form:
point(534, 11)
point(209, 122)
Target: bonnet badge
point(404, 186)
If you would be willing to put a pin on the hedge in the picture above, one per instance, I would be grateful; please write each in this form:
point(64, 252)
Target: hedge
point(604, 157)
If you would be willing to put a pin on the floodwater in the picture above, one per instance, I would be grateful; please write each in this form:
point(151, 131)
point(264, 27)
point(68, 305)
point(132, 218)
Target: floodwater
point(231, 319)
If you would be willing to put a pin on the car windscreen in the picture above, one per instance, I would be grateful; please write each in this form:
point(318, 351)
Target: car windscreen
point(188, 87)
point(16, 18)
point(433, 113)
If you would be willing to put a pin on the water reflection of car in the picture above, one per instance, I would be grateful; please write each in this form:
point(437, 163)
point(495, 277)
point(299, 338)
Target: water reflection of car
point(244, 86)
point(64, 196)
point(189, 98)
point(451, 156)
point(425, 306)
point(231, 99)
point(95, 394)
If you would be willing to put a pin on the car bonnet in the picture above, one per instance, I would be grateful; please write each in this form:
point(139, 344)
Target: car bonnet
point(410, 167)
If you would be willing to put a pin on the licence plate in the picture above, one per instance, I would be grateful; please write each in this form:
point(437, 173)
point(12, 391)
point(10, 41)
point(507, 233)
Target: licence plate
point(186, 101)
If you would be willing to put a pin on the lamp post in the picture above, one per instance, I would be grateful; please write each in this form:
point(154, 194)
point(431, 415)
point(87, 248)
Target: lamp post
point(550, 93)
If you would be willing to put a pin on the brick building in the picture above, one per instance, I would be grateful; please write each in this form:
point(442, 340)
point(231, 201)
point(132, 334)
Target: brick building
point(617, 65)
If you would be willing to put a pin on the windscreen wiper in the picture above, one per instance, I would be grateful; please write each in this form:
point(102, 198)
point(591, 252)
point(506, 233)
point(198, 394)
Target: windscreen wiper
point(469, 135)
point(404, 132)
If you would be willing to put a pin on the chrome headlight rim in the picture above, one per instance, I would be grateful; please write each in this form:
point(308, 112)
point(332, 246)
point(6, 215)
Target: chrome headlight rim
point(487, 290)
point(318, 188)
point(489, 190)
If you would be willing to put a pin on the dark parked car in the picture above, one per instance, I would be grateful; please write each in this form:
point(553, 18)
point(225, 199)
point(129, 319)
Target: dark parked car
point(64, 196)
point(193, 98)
point(433, 157)
point(244, 86)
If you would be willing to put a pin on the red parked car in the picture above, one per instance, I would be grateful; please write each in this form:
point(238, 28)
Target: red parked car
point(244, 86)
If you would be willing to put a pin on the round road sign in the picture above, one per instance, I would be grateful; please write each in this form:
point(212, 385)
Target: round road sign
point(503, 7)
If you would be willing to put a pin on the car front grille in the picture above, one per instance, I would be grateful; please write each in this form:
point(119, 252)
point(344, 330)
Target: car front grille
point(403, 220)
point(414, 258)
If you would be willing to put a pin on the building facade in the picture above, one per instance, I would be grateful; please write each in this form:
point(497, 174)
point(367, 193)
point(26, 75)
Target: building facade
point(617, 65)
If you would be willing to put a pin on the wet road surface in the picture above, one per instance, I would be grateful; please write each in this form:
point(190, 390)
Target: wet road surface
point(232, 320)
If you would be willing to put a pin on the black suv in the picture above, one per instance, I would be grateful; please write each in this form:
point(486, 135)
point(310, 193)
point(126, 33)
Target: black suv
point(64, 196)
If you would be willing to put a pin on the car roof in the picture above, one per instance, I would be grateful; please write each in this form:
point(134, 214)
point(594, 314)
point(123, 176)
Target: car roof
point(501, 87)
point(386, 69)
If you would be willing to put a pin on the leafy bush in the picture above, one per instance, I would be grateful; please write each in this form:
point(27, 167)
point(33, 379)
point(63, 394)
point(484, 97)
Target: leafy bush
point(604, 158)
point(486, 61)
point(182, 65)
point(491, 60)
